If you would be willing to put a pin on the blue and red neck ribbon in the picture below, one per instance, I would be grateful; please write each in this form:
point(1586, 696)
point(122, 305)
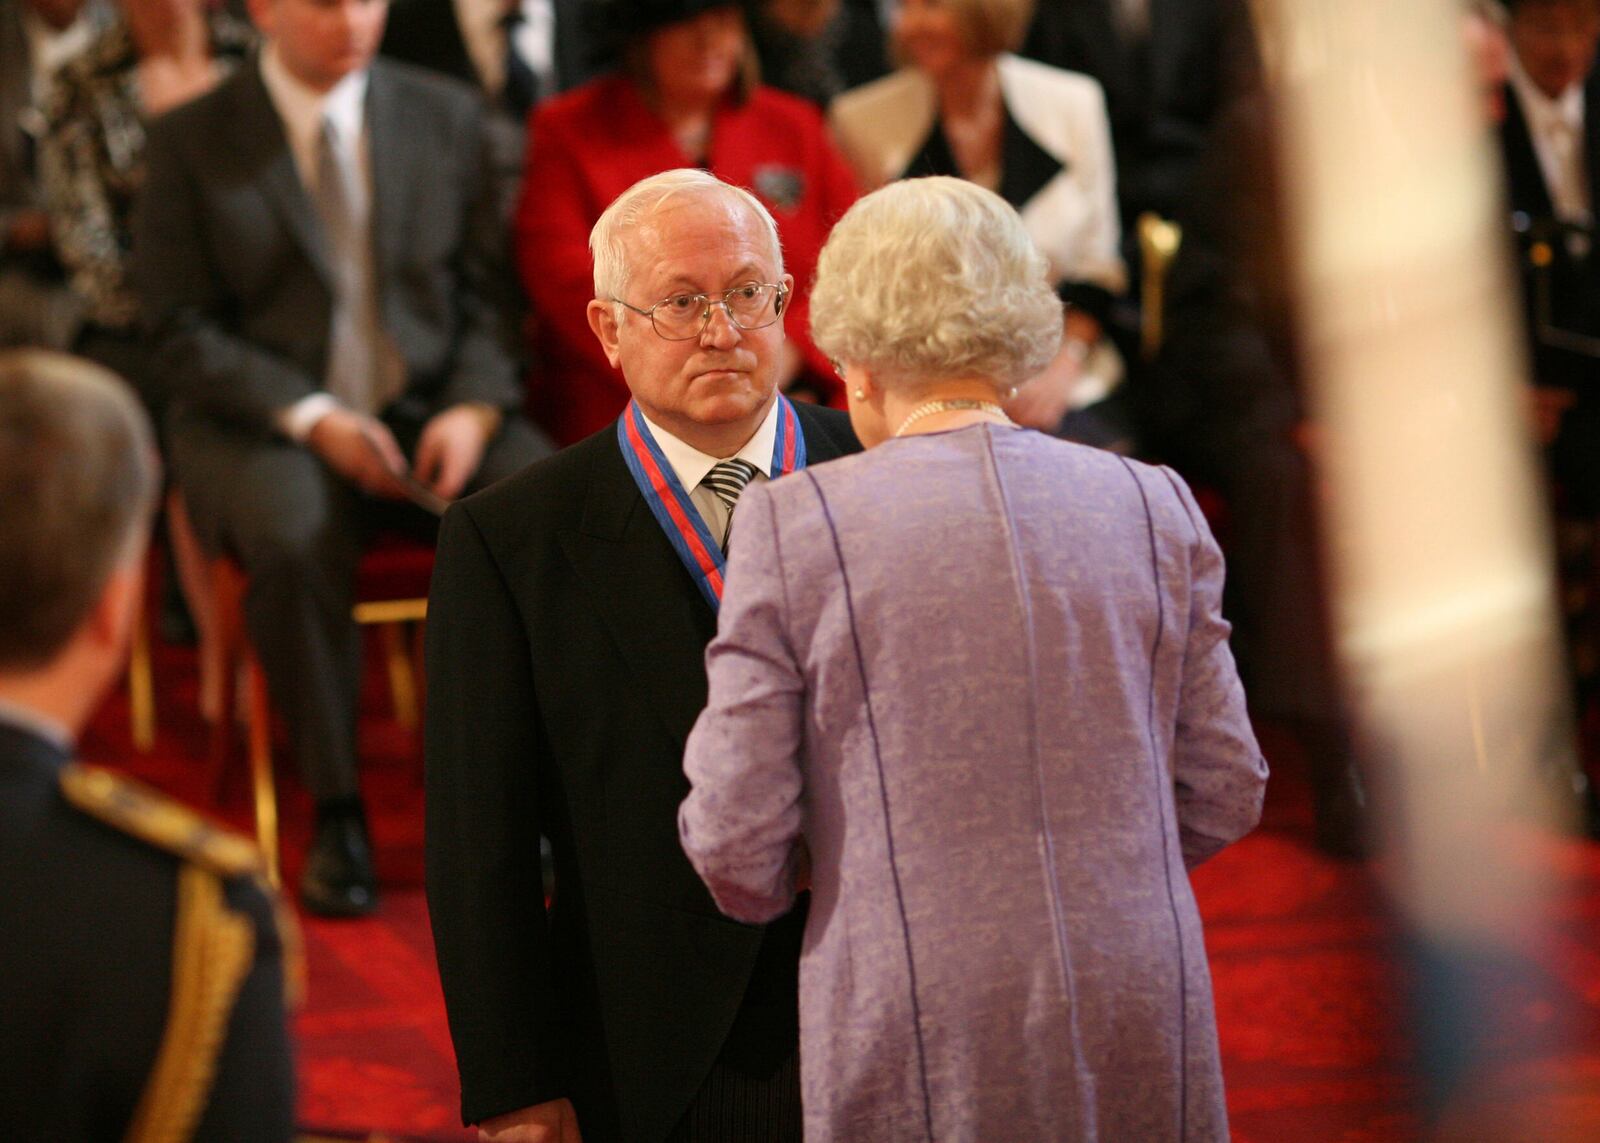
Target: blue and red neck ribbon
point(669, 500)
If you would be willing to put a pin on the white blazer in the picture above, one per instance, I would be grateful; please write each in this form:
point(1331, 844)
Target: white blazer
point(882, 126)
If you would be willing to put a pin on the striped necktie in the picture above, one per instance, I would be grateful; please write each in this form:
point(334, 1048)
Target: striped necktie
point(727, 479)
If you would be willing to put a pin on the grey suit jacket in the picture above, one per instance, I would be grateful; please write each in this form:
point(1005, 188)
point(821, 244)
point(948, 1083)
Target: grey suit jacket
point(231, 265)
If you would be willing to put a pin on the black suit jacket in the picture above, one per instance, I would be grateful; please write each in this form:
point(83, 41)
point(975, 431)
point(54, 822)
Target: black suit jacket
point(87, 929)
point(427, 33)
point(231, 265)
point(1525, 186)
point(565, 666)
point(1574, 275)
point(1163, 98)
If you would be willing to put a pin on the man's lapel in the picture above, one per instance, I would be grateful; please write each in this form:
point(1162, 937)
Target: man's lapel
point(260, 134)
point(1591, 138)
point(655, 614)
point(1524, 176)
point(393, 151)
point(651, 606)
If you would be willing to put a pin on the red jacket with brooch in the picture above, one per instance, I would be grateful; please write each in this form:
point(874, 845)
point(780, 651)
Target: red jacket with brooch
point(588, 146)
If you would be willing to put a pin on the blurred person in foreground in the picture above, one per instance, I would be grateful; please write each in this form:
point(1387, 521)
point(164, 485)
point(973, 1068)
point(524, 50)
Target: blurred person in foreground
point(567, 626)
point(974, 687)
point(685, 96)
point(141, 969)
point(1038, 136)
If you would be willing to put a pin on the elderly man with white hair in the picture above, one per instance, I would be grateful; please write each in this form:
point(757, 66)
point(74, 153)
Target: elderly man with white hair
point(570, 611)
point(973, 687)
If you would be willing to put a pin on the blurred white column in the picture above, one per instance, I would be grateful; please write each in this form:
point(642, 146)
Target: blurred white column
point(1436, 534)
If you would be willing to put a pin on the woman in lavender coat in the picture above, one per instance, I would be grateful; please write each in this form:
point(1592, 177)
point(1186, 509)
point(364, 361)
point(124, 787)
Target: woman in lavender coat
point(973, 686)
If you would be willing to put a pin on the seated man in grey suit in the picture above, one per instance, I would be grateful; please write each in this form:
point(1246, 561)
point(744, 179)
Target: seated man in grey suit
point(317, 252)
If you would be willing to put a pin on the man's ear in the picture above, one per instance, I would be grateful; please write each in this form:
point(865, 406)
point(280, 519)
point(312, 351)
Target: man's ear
point(603, 320)
point(109, 624)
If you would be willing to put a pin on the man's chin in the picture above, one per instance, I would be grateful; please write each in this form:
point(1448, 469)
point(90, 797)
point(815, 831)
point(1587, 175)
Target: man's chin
point(717, 404)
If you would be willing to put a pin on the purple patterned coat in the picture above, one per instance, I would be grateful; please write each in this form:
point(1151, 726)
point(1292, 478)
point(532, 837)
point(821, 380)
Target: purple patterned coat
point(983, 676)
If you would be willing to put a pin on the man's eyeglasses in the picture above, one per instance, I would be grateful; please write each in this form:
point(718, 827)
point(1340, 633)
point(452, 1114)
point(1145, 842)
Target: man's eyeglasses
point(680, 317)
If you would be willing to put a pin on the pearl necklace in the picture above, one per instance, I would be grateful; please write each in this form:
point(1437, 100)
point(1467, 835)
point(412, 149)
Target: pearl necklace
point(929, 408)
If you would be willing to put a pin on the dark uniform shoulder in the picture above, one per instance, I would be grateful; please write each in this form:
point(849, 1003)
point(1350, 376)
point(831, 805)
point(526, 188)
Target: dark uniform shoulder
point(223, 1059)
point(135, 809)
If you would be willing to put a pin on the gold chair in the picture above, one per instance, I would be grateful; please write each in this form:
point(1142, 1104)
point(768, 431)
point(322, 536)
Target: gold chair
point(391, 592)
point(141, 682)
point(1159, 240)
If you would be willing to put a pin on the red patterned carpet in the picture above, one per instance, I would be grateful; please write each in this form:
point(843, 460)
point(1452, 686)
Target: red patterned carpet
point(1319, 1034)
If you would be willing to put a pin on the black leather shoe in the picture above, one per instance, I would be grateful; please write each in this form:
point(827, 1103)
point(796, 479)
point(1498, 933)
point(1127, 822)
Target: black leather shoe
point(338, 879)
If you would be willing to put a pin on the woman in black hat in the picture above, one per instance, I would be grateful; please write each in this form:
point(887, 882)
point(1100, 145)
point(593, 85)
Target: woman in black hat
point(686, 94)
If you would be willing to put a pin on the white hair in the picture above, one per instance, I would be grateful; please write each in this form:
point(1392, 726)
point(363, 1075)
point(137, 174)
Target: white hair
point(608, 240)
point(931, 279)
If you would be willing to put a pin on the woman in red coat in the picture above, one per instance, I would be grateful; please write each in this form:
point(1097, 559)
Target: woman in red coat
point(683, 98)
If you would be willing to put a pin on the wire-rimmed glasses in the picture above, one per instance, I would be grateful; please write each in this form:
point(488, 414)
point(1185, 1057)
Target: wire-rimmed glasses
point(680, 317)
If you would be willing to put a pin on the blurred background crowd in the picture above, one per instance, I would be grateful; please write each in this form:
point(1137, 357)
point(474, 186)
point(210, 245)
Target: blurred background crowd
point(443, 249)
point(340, 253)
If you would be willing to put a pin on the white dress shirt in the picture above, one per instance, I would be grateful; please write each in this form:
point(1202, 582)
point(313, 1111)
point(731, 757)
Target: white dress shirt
point(691, 466)
point(1556, 126)
point(485, 37)
point(49, 48)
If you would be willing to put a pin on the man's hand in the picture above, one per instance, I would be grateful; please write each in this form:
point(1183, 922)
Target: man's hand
point(452, 446)
point(1547, 406)
point(553, 1122)
point(1044, 399)
point(361, 449)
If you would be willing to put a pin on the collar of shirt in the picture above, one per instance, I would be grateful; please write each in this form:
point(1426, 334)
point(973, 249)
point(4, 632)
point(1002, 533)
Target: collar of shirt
point(691, 465)
point(302, 110)
point(27, 719)
point(484, 33)
point(49, 48)
point(1544, 113)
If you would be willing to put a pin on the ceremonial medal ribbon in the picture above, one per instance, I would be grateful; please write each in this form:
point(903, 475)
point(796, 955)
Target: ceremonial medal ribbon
point(670, 503)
